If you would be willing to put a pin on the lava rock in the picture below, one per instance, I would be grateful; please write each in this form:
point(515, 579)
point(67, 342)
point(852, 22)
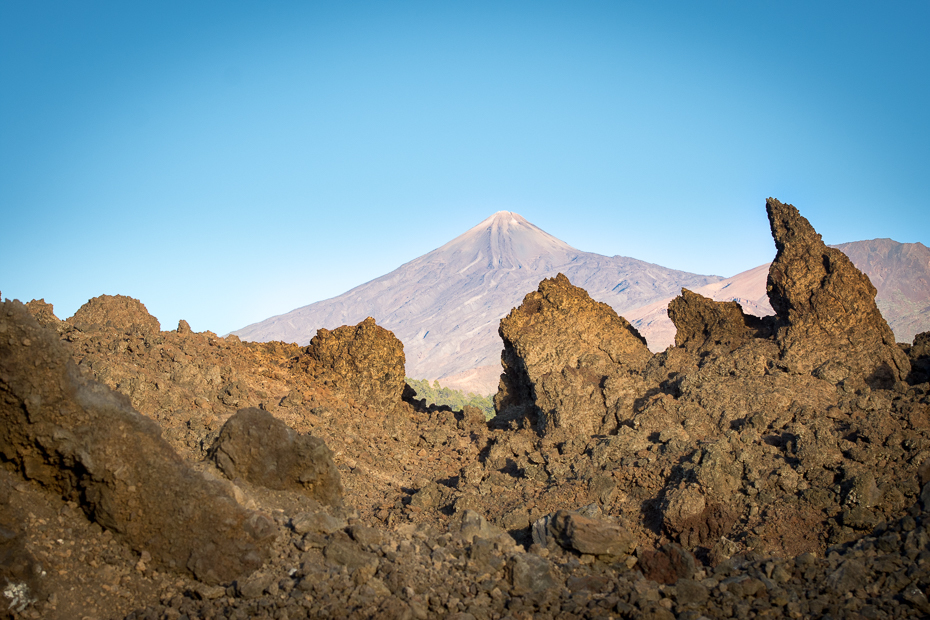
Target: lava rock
point(116, 311)
point(560, 348)
point(79, 438)
point(825, 306)
point(259, 448)
point(365, 362)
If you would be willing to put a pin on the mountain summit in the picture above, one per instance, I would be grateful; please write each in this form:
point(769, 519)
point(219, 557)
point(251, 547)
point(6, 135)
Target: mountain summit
point(445, 306)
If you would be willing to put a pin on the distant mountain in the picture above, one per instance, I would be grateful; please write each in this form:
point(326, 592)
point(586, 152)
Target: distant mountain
point(900, 273)
point(445, 306)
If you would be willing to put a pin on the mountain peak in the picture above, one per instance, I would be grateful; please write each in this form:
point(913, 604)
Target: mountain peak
point(506, 240)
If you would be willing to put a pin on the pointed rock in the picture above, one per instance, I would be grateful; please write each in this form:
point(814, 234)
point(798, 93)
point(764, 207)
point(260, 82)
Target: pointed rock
point(825, 306)
point(565, 357)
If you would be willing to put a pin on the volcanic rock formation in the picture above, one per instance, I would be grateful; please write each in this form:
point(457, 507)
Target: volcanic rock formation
point(256, 446)
point(826, 306)
point(744, 472)
point(85, 442)
point(365, 362)
point(566, 361)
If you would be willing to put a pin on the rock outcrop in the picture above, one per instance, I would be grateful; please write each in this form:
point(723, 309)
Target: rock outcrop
point(80, 439)
point(825, 306)
point(116, 311)
point(257, 447)
point(703, 325)
point(364, 362)
point(44, 313)
point(567, 361)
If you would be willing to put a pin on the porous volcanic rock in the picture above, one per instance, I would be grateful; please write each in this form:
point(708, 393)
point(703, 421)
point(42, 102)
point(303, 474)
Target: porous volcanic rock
point(826, 307)
point(568, 361)
point(44, 313)
point(703, 324)
point(256, 446)
point(919, 355)
point(364, 362)
point(80, 439)
point(116, 311)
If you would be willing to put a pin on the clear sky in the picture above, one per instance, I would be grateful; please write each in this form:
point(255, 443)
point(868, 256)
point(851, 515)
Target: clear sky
point(224, 162)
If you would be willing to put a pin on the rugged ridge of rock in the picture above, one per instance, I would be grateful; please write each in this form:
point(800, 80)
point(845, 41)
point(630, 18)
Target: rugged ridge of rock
point(826, 306)
point(566, 360)
point(82, 440)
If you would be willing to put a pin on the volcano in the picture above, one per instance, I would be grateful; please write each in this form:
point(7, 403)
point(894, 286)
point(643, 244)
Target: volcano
point(446, 305)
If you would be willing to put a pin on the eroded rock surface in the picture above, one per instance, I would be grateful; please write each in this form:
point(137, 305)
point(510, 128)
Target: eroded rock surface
point(116, 311)
point(365, 362)
point(256, 446)
point(826, 306)
point(703, 324)
point(85, 442)
point(567, 361)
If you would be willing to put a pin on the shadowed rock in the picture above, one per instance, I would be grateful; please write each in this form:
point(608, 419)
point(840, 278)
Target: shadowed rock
point(259, 448)
point(79, 438)
point(567, 360)
point(364, 362)
point(919, 355)
point(825, 306)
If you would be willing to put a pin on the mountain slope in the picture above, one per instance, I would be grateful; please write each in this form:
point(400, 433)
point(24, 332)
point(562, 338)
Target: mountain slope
point(445, 306)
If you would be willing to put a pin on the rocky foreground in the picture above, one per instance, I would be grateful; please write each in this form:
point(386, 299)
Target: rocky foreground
point(773, 467)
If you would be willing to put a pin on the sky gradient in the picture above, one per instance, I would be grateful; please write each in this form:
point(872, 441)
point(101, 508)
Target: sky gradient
point(224, 162)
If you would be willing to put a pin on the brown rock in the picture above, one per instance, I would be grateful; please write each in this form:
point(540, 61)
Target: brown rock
point(703, 324)
point(589, 535)
point(78, 438)
point(668, 564)
point(44, 313)
point(365, 362)
point(257, 447)
point(116, 311)
point(560, 348)
point(825, 306)
point(919, 354)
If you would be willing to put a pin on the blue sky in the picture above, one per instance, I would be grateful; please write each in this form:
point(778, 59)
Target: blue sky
point(227, 161)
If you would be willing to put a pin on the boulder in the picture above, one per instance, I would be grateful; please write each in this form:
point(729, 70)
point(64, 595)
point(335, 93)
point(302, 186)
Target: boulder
point(117, 311)
point(703, 324)
point(364, 362)
point(825, 306)
point(80, 439)
point(259, 448)
point(569, 361)
point(590, 535)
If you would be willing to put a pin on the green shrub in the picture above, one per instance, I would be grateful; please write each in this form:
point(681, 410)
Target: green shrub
point(435, 394)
